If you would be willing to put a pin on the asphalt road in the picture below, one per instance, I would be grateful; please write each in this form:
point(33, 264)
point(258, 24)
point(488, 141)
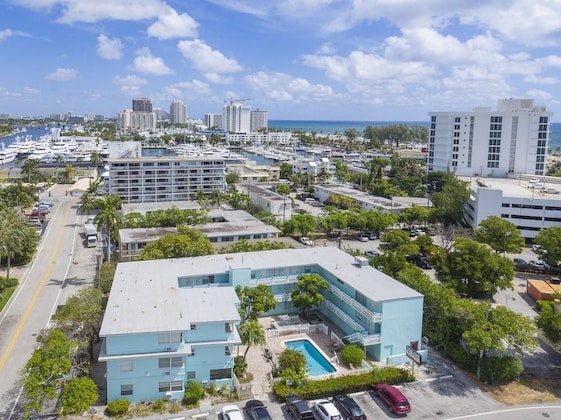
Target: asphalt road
point(60, 267)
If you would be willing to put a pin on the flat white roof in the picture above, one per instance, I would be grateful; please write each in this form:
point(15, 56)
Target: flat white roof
point(145, 296)
point(519, 187)
point(150, 301)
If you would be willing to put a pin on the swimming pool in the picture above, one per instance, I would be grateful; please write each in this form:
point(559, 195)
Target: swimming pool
point(317, 363)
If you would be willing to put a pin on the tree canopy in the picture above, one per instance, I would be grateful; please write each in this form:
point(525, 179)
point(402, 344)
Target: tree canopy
point(255, 301)
point(501, 235)
point(308, 292)
point(187, 242)
point(550, 241)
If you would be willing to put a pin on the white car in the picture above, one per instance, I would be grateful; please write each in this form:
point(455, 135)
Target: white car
point(326, 410)
point(306, 241)
point(232, 412)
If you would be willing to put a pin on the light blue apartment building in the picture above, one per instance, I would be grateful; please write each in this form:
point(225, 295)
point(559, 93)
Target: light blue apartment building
point(152, 349)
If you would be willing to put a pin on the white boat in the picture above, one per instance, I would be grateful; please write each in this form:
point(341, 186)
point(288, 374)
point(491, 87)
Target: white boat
point(7, 155)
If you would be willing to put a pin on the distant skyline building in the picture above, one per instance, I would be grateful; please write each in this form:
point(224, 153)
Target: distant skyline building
point(259, 120)
point(161, 114)
point(142, 105)
point(236, 118)
point(178, 112)
point(136, 119)
point(213, 120)
point(511, 140)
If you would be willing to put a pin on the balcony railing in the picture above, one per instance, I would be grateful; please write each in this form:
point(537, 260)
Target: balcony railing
point(268, 281)
point(346, 318)
point(363, 310)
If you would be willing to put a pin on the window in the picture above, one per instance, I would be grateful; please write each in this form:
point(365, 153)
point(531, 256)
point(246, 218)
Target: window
point(228, 327)
point(193, 327)
point(208, 279)
point(220, 374)
point(125, 366)
point(126, 389)
point(170, 386)
point(170, 337)
point(227, 351)
point(191, 374)
point(167, 362)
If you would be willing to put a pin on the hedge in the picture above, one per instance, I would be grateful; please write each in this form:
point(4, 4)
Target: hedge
point(311, 390)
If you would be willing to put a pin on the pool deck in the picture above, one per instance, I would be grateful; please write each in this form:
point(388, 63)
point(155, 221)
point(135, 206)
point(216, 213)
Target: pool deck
point(261, 366)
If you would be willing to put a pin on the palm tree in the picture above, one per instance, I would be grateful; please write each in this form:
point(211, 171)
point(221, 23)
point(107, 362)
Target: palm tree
point(30, 171)
point(87, 203)
point(69, 173)
point(94, 186)
point(96, 159)
point(108, 218)
point(252, 334)
point(200, 196)
point(216, 197)
point(13, 231)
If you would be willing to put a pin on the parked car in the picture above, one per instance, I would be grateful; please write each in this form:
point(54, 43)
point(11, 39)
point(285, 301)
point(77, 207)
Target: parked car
point(372, 253)
point(306, 241)
point(34, 221)
point(46, 203)
point(326, 410)
point(521, 264)
point(232, 412)
point(392, 397)
point(299, 409)
point(317, 204)
point(256, 410)
point(348, 408)
point(416, 232)
point(539, 265)
point(362, 237)
point(420, 261)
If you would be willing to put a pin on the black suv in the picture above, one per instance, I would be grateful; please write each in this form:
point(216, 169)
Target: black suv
point(348, 408)
point(299, 409)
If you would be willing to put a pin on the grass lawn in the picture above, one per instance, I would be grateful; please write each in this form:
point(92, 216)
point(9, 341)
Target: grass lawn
point(8, 292)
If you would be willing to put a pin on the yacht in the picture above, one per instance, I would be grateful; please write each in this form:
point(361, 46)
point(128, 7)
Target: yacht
point(7, 155)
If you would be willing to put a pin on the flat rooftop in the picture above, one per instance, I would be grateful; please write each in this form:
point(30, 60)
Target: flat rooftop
point(145, 296)
point(519, 187)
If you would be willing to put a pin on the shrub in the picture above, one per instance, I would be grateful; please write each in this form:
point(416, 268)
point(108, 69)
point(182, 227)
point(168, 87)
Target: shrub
point(159, 404)
point(240, 365)
point(506, 368)
point(118, 407)
point(292, 366)
point(352, 354)
point(341, 385)
point(194, 391)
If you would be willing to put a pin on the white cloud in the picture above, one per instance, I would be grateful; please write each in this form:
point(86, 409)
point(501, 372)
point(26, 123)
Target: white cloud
point(145, 62)
point(541, 80)
point(538, 94)
point(61, 74)
point(5, 34)
point(194, 88)
point(91, 11)
point(295, 88)
point(205, 59)
point(130, 84)
point(174, 25)
point(219, 79)
point(31, 91)
point(109, 49)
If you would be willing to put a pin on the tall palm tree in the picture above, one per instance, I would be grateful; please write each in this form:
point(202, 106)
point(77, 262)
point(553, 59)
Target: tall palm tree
point(109, 219)
point(252, 334)
point(96, 159)
point(30, 171)
point(13, 231)
point(200, 196)
point(69, 173)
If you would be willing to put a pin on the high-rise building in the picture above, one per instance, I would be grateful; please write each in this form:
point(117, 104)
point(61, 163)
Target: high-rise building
point(161, 114)
point(213, 121)
point(259, 120)
point(178, 112)
point(142, 105)
point(137, 120)
point(236, 118)
point(511, 140)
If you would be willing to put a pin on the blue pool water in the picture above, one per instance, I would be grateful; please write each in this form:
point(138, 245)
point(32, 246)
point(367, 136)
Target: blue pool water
point(317, 364)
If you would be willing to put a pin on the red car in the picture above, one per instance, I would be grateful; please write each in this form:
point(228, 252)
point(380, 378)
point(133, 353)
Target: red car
point(392, 397)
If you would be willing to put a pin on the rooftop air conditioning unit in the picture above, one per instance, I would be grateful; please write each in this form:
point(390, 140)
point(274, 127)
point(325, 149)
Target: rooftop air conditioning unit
point(167, 372)
point(168, 348)
point(361, 261)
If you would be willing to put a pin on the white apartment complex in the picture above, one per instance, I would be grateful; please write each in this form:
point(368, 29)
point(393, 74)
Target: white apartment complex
point(178, 112)
point(259, 120)
point(165, 179)
point(511, 140)
point(213, 120)
point(236, 118)
point(138, 120)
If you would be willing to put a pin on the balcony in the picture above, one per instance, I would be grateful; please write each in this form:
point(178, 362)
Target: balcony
point(269, 281)
point(363, 310)
point(346, 318)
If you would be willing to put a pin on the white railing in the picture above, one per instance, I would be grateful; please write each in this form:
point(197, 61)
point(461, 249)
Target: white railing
point(351, 322)
point(365, 340)
point(275, 280)
point(367, 313)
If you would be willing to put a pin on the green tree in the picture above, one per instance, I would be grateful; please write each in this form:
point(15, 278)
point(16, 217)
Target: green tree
point(78, 396)
point(200, 197)
point(13, 234)
point(448, 204)
point(69, 173)
point(285, 170)
point(17, 195)
point(81, 317)
point(293, 366)
point(30, 171)
point(87, 203)
point(501, 235)
point(283, 189)
point(549, 320)
point(342, 171)
point(473, 270)
point(549, 239)
point(46, 371)
point(108, 219)
point(254, 302)
point(251, 334)
point(376, 167)
point(308, 292)
point(302, 223)
point(96, 159)
point(399, 242)
point(187, 242)
point(414, 214)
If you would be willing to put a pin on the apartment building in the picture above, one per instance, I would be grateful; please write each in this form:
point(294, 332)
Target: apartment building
point(511, 140)
point(165, 179)
point(157, 334)
point(167, 321)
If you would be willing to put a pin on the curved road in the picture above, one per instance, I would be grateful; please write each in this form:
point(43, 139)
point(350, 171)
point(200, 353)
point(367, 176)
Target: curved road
point(44, 285)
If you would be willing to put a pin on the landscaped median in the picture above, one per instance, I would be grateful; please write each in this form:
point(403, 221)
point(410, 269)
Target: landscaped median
point(312, 389)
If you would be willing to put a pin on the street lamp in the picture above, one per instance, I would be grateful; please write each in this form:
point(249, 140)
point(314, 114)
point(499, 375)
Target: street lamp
point(506, 235)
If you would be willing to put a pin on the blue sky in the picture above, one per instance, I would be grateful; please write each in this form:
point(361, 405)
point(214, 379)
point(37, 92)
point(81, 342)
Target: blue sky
point(373, 60)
